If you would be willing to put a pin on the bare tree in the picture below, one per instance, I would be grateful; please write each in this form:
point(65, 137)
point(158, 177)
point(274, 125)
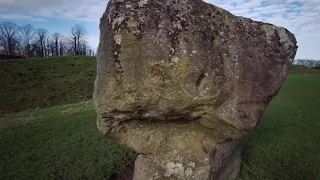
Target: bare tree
point(18, 47)
point(78, 32)
point(47, 45)
point(83, 48)
point(308, 62)
point(31, 42)
point(56, 37)
point(42, 34)
point(62, 46)
point(70, 47)
point(90, 52)
point(2, 45)
point(9, 36)
point(36, 50)
point(52, 46)
point(27, 33)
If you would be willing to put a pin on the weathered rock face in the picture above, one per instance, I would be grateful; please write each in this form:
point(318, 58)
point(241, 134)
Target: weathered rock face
point(179, 81)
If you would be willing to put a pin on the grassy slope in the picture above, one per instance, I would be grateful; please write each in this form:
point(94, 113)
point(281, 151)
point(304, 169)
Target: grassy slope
point(58, 143)
point(38, 83)
point(298, 69)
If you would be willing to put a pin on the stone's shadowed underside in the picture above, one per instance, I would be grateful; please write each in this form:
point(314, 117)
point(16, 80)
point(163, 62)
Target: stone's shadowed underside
point(178, 79)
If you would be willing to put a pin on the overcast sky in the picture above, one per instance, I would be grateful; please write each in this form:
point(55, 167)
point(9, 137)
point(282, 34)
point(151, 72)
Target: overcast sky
point(302, 17)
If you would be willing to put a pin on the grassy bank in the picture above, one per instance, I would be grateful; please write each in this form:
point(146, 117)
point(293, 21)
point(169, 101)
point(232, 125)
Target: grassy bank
point(41, 83)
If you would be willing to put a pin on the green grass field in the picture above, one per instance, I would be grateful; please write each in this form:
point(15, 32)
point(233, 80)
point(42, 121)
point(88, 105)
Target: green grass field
point(286, 144)
point(62, 142)
point(39, 83)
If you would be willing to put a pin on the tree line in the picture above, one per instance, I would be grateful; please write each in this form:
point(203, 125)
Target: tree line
point(307, 63)
point(28, 41)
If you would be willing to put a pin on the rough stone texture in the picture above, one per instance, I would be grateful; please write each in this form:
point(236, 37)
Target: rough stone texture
point(182, 82)
point(222, 163)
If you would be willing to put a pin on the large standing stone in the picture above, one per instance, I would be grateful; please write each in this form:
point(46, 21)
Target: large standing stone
point(182, 82)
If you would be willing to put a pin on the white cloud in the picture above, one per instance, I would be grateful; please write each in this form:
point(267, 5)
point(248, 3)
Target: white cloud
point(299, 16)
point(302, 17)
point(20, 16)
point(84, 10)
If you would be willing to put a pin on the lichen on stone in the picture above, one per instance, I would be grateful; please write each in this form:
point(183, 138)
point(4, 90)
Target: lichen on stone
point(181, 81)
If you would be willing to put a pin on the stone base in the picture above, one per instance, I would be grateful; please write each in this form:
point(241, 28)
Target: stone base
point(223, 164)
